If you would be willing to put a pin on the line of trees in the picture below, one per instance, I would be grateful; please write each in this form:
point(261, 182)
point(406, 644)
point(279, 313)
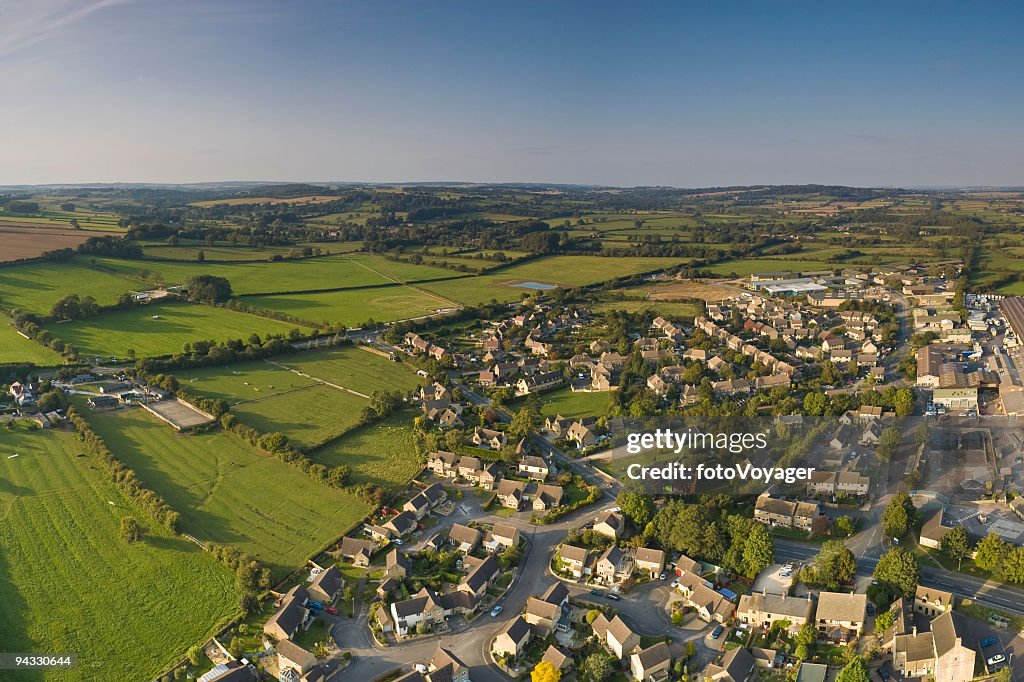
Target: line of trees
point(124, 477)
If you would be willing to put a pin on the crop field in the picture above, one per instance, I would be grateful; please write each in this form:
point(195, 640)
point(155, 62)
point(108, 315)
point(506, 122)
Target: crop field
point(127, 610)
point(115, 333)
point(383, 453)
point(747, 266)
point(353, 368)
point(16, 348)
point(308, 274)
point(87, 220)
point(229, 492)
point(248, 201)
point(353, 308)
point(37, 286)
point(24, 240)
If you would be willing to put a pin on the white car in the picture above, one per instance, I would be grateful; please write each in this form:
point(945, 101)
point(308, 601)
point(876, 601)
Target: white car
point(675, 584)
point(998, 658)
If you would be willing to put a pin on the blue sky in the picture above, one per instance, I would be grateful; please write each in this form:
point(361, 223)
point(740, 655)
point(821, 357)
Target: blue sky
point(685, 94)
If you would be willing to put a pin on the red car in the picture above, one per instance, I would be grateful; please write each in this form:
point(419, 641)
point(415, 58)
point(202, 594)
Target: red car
point(331, 610)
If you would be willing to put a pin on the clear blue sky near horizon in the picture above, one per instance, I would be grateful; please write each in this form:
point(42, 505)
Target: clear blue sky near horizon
point(655, 93)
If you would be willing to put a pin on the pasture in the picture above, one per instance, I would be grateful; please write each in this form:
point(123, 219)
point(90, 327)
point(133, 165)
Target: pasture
point(37, 286)
point(309, 416)
point(127, 610)
point(575, 405)
point(229, 492)
point(261, 277)
point(353, 308)
point(16, 348)
point(117, 332)
point(354, 368)
point(383, 453)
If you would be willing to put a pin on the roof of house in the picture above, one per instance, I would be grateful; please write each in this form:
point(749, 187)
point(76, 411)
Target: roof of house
point(650, 556)
point(542, 609)
point(948, 630)
point(517, 630)
point(460, 533)
point(653, 655)
point(735, 666)
point(402, 523)
point(295, 653)
point(919, 646)
point(504, 530)
point(840, 606)
point(932, 528)
point(290, 614)
point(396, 558)
point(330, 580)
point(934, 596)
point(611, 518)
point(776, 605)
point(484, 572)
point(555, 657)
point(618, 629)
point(573, 553)
point(612, 555)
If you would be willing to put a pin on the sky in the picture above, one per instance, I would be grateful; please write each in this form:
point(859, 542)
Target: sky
point(906, 93)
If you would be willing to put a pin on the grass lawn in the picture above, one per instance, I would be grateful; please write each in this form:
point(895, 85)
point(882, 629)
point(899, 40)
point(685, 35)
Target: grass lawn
point(68, 583)
point(353, 368)
point(228, 492)
point(381, 453)
point(569, 404)
point(16, 348)
point(353, 308)
point(114, 333)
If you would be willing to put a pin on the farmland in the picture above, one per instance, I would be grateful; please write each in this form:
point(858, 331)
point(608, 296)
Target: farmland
point(127, 610)
point(135, 329)
point(268, 397)
point(37, 286)
point(355, 369)
point(228, 492)
point(382, 453)
point(24, 240)
point(16, 348)
point(353, 308)
point(261, 277)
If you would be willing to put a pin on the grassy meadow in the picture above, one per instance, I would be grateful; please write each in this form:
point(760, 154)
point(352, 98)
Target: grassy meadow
point(115, 333)
point(16, 348)
point(383, 453)
point(229, 492)
point(127, 610)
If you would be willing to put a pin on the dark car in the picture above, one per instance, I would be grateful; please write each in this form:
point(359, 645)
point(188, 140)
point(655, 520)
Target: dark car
point(597, 593)
point(871, 609)
point(717, 632)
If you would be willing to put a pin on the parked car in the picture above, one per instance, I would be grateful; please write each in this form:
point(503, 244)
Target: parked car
point(597, 593)
point(675, 584)
point(996, 660)
point(786, 574)
point(495, 611)
point(613, 596)
point(331, 610)
point(314, 605)
point(988, 641)
point(717, 632)
point(663, 576)
point(871, 609)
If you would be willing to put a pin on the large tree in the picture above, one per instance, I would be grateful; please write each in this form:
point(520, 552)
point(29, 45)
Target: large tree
point(956, 544)
point(899, 569)
point(637, 506)
point(898, 516)
point(854, 671)
point(208, 289)
point(545, 672)
point(758, 551)
point(835, 565)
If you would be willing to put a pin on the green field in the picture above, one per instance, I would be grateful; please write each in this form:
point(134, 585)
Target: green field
point(353, 308)
point(673, 309)
point(114, 333)
point(564, 271)
point(229, 492)
point(16, 348)
point(381, 453)
point(37, 286)
point(575, 405)
point(68, 583)
point(356, 369)
point(328, 272)
point(309, 416)
point(747, 266)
